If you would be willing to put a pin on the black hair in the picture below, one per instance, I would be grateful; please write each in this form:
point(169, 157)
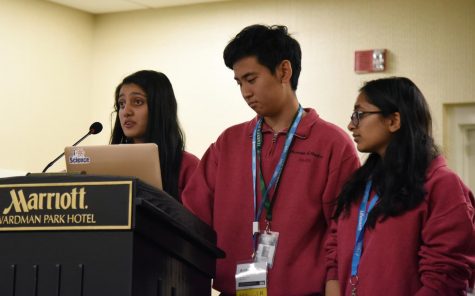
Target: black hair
point(163, 127)
point(399, 176)
point(270, 45)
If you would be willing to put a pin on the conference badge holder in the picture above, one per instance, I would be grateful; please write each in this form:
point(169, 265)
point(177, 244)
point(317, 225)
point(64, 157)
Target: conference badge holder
point(266, 247)
point(251, 279)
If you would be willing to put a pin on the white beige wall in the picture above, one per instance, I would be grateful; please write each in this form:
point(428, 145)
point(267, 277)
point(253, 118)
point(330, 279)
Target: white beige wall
point(45, 74)
point(432, 42)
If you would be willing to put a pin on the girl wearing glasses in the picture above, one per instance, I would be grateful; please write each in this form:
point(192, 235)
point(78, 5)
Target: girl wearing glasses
point(404, 222)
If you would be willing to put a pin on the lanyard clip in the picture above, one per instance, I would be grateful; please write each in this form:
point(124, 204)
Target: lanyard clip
point(353, 282)
point(255, 227)
point(267, 226)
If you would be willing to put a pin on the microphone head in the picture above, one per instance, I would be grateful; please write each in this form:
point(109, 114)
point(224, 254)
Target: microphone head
point(95, 128)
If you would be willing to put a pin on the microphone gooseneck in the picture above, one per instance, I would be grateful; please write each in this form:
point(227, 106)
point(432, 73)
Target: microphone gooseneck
point(94, 129)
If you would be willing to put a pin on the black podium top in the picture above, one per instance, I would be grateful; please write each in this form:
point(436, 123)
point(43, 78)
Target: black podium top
point(148, 200)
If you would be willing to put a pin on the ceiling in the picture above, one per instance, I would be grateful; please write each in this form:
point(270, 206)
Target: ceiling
point(108, 6)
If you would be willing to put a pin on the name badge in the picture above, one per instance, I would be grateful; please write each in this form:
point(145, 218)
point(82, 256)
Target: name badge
point(251, 279)
point(266, 247)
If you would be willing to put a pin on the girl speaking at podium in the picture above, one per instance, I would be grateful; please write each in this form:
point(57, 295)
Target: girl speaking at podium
point(146, 112)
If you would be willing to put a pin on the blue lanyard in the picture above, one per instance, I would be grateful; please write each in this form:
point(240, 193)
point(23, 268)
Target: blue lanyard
point(279, 167)
point(362, 217)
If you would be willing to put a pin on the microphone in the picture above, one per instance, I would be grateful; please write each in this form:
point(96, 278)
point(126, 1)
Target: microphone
point(94, 129)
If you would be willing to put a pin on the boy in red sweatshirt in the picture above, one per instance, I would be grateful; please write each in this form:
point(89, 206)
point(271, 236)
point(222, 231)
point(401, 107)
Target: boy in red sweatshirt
point(288, 154)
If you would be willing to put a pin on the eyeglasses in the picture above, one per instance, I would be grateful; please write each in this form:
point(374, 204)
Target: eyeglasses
point(356, 116)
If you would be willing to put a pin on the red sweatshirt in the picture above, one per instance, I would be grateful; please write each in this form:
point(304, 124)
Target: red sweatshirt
point(189, 162)
point(221, 193)
point(429, 250)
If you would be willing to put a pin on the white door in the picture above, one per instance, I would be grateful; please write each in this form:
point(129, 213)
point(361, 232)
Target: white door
point(459, 140)
point(470, 151)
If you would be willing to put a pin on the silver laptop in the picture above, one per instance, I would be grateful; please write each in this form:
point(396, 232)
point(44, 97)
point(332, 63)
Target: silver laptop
point(136, 160)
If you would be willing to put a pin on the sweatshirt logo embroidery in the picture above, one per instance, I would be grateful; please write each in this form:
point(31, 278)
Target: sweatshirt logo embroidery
point(307, 156)
point(307, 153)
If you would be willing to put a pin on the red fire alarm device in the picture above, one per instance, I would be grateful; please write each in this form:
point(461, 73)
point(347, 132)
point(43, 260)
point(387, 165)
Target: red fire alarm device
point(368, 61)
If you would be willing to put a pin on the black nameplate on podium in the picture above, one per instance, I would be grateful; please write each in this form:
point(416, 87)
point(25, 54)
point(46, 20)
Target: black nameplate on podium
point(88, 235)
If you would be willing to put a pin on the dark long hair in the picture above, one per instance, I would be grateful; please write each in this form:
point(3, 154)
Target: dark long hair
point(163, 127)
point(399, 176)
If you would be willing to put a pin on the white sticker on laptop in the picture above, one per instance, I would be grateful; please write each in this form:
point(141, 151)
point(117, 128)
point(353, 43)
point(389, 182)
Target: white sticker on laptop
point(79, 156)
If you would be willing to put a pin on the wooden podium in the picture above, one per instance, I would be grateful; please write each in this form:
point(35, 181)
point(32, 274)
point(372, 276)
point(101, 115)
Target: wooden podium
point(88, 235)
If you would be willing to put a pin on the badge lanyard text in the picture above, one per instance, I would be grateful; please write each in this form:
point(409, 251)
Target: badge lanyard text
point(362, 217)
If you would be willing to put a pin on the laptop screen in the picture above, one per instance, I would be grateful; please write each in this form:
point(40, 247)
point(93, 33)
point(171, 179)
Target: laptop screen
point(135, 160)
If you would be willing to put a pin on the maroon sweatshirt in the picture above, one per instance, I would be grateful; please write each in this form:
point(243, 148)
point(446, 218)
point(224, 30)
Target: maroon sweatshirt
point(189, 163)
point(220, 192)
point(429, 250)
